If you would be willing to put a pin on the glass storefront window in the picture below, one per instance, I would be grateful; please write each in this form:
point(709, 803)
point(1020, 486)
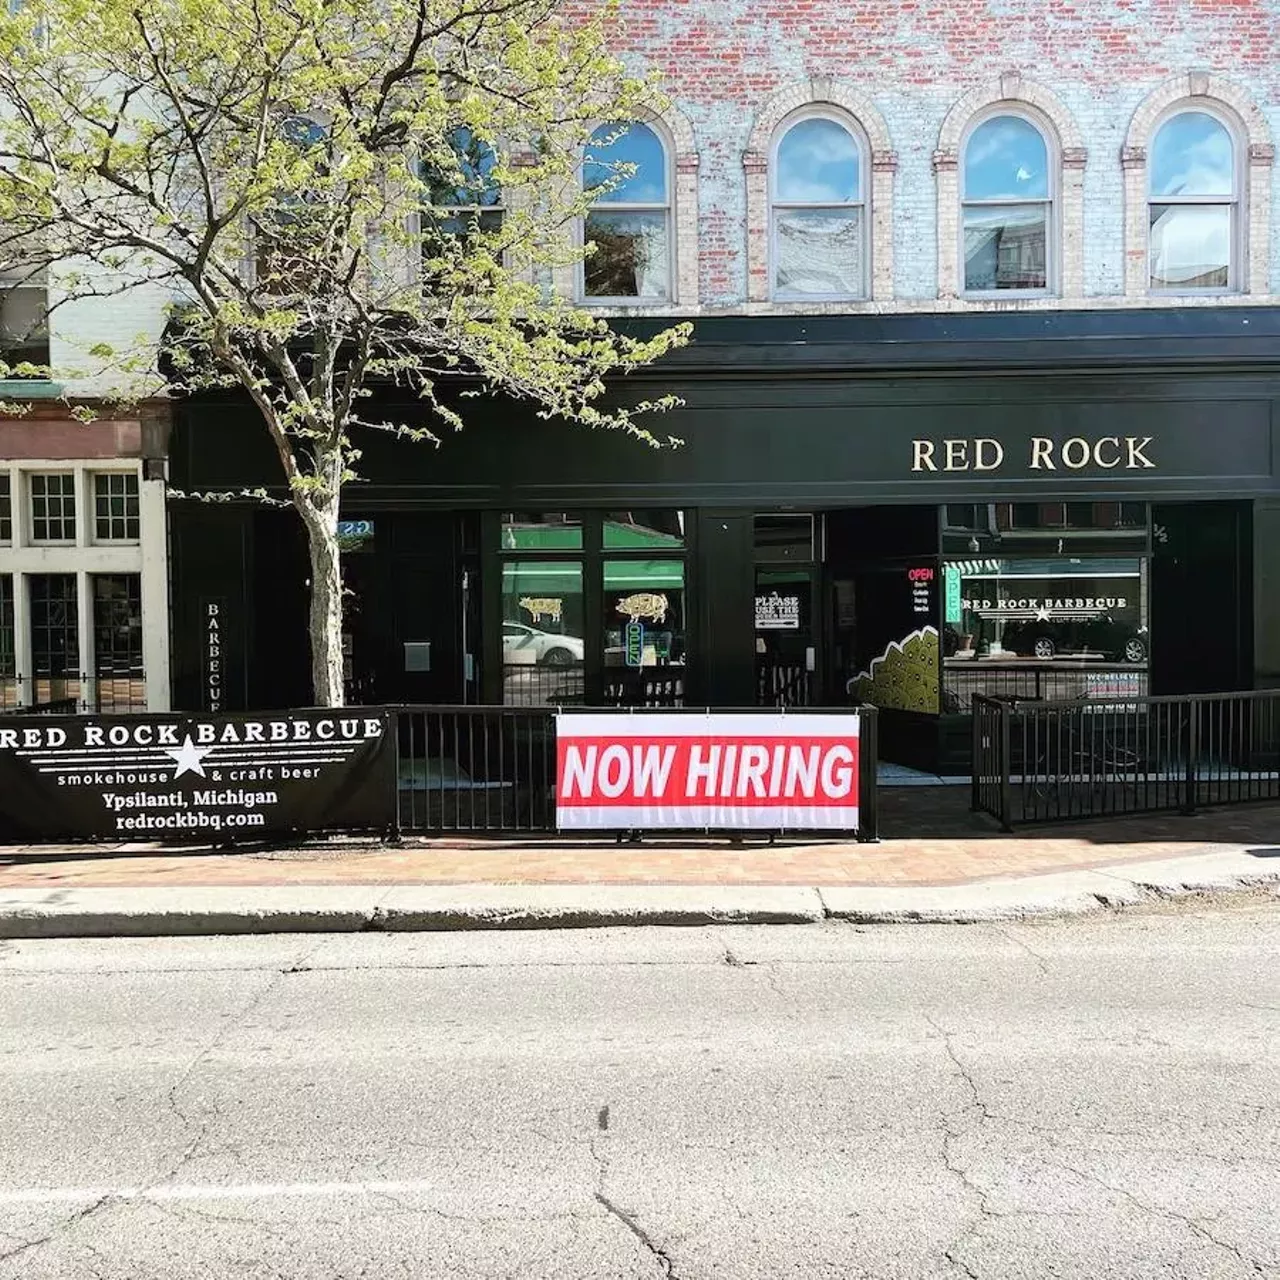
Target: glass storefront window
point(641, 530)
point(541, 531)
point(1007, 528)
point(542, 630)
point(644, 631)
point(1059, 627)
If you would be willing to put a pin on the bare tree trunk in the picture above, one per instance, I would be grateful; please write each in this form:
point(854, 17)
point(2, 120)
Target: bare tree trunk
point(319, 513)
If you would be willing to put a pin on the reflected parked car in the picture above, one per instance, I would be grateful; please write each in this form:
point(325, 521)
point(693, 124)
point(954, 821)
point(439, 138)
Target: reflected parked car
point(1105, 638)
point(524, 644)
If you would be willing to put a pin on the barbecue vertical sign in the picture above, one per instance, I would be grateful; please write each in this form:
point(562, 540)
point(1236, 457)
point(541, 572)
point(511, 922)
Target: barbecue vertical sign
point(762, 771)
point(202, 777)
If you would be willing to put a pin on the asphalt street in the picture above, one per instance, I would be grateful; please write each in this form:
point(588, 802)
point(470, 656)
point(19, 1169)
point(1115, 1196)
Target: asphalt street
point(1093, 1098)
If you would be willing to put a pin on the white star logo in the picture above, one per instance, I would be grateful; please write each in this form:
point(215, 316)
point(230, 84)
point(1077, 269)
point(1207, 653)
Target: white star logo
point(188, 757)
point(1042, 614)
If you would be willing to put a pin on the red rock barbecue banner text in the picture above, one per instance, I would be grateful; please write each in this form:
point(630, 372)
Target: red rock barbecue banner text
point(758, 770)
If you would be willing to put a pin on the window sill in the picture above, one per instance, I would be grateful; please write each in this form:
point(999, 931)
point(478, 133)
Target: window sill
point(29, 389)
point(631, 304)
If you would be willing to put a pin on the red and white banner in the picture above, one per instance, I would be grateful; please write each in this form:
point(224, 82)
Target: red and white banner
point(760, 770)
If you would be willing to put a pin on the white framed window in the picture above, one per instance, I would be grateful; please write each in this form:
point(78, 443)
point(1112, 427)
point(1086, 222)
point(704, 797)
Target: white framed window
point(6, 509)
point(1193, 201)
point(627, 173)
point(817, 211)
point(115, 507)
point(1007, 217)
point(53, 506)
point(460, 196)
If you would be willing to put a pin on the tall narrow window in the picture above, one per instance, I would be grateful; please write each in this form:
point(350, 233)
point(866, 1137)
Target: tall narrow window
point(6, 509)
point(461, 194)
point(819, 220)
point(55, 627)
point(1192, 205)
point(117, 641)
point(289, 233)
point(7, 669)
point(24, 321)
point(1007, 208)
point(628, 227)
point(53, 507)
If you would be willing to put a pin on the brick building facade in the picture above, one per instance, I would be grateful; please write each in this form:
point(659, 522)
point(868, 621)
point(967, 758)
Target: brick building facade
point(836, 433)
point(912, 76)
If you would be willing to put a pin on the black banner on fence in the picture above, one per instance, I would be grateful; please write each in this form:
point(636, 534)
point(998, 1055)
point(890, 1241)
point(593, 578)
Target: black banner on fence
point(205, 778)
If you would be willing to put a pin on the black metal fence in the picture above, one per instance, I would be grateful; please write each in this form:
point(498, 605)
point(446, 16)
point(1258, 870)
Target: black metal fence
point(488, 770)
point(476, 769)
point(1058, 761)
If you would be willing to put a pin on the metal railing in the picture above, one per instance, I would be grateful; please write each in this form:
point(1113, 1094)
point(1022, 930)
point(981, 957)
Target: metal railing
point(490, 770)
point(1061, 761)
point(475, 769)
point(783, 684)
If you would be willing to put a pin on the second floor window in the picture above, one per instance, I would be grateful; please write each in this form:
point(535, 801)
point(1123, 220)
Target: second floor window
point(24, 318)
point(628, 226)
point(1007, 208)
point(115, 507)
point(1192, 205)
point(298, 215)
point(460, 193)
point(6, 509)
point(53, 507)
point(819, 225)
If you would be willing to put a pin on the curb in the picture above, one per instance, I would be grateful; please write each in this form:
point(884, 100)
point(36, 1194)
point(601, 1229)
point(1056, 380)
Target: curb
point(172, 912)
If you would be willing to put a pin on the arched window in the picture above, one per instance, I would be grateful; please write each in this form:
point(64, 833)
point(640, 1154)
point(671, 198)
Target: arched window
point(1192, 201)
point(286, 231)
point(818, 225)
point(459, 187)
point(1007, 208)
point(628, 227)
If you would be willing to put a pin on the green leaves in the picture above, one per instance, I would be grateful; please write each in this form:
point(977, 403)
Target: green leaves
point(332, 195)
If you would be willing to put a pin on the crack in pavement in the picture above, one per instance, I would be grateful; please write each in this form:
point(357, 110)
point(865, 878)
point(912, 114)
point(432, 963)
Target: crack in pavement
point(229, 1023)
point(67, 1224)
point(1195, 1225)
point(659, 1254)
point(628, 1220)
point(1041, 963)
point(952, 1134)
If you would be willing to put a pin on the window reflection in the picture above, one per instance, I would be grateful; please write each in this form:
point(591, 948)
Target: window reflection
point(628, 227)
point(638, 530)
point(1006, 159)
point(541, 531)
point(1192, 156)
point(1058, 627)
point(542, 628)
point(1192, 204)
point(644, 632)
point(1006, 207)
point(818, 220)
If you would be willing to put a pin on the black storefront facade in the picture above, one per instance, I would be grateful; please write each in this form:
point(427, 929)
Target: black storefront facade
point(898, 510)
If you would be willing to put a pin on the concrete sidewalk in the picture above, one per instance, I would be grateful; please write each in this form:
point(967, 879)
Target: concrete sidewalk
point(978, 874)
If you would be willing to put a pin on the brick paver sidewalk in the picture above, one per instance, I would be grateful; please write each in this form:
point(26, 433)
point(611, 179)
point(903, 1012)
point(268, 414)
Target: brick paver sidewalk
point(930, 839)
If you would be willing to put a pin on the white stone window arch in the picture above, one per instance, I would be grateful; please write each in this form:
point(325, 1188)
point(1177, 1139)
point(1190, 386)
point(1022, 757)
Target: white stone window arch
point(819, 237)
point(1012, 97)
point(820, 99)
point(1009, 203)
point(1197, 175)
